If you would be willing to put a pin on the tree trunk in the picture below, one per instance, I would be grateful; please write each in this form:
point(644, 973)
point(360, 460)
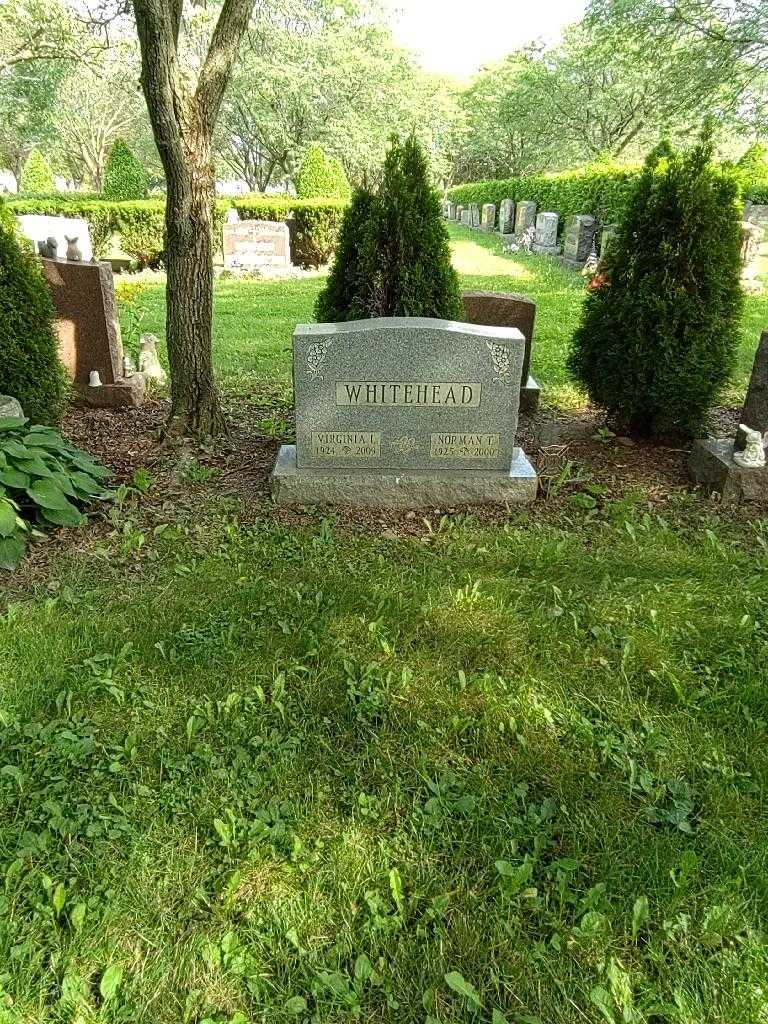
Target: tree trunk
point(189, 291)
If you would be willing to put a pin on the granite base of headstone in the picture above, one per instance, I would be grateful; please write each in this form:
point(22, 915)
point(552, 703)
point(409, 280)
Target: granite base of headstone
point(546, 235)
point(405, 412)
point(89, 333)
point(716, 463)
point(525, 217)
point(579, 241)
point(506, 309)
point(488, 220)
point(256, 246)
point(507, 219)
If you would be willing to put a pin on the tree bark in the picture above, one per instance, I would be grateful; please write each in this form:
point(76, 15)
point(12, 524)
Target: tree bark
point(183, 123)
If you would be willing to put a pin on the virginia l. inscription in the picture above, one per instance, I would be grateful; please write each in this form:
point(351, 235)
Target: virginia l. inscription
point(405, 393)
point(347, 444)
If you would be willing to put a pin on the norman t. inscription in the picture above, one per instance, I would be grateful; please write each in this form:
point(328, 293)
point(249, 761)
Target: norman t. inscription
point(465, 446)
point(403, 393)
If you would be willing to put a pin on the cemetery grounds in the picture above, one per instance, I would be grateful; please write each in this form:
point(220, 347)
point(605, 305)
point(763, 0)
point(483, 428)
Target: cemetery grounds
point(286, 766)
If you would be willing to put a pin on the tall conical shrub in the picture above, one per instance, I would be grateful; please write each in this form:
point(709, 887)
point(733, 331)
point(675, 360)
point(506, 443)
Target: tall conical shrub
point(29, 362)
point(341, 299)
point(124, 176)
point(321, 176)
point(36, 175)
point(406, 257)
point(658, 339)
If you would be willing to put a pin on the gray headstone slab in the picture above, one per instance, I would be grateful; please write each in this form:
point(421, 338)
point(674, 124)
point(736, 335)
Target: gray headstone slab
point(489, 217)
point(506, 217)
point(406, 393)
point(252, 244)
point(579, 238)
point(525, 216)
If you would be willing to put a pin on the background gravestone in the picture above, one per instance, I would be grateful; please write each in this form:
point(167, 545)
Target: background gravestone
point(546, 234)
point(466, 216)
point(38, 228)
point(89, 333)
point(507, 218)
point(505, 309)
point(711, 461)
point(475, 216)
point(489, 217)
point(405, 412)
point(256, 245)
point(579, 240)
point(525, 216)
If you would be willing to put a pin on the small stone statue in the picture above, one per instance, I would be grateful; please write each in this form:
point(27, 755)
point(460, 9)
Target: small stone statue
point(94, 379)
point(232, 217)
point(590, 267)
point(753, 455)
point(149, 364)
point(74, 252)
point(49, 248)
point(529, 237)
point(129, 367)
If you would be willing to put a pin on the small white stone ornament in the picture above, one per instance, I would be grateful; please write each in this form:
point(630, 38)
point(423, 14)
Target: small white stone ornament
point(94, 379)
point(753, 455)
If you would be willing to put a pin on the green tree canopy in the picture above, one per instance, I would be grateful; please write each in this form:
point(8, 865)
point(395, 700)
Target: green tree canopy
point(321, 176)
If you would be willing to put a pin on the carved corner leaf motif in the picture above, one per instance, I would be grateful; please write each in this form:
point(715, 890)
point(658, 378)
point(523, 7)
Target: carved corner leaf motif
point(502, 367)
point(404, 445)
point(318, 350)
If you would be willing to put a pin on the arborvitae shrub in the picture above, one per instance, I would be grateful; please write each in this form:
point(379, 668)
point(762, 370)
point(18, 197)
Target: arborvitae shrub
point(321, 176)
point(124, 176)
point(405, 262)
point(36, 175)
point(658, 340)
point(29, 362)
point(341, 299)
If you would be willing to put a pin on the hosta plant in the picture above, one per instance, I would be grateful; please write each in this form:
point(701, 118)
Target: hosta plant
point(44, 481)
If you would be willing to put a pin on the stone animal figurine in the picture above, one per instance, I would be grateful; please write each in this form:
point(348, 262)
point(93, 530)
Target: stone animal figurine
point(529, 237)
point(74, 252)
point(49, 248)
point(129, 367)
point(149, 364)
point(753, 456)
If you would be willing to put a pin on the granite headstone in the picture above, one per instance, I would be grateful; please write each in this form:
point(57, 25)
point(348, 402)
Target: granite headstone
point(525, 216)
point(506, 309)
point(579, 240)
point(256, 245)
point(546, 234)
point(405, 411)
point(489, 217)
point(507, 217)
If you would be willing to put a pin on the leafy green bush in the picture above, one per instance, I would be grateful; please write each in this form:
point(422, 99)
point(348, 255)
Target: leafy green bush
point(602, 190)
point(36, 174)
point(321, 176)
point(44, 481)
point(124, 176)
point(658, 339)
point(341, 297)
point(29, 361)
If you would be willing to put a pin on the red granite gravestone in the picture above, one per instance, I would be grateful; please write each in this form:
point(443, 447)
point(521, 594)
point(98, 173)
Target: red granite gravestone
point(89, 332)
point(505, 309)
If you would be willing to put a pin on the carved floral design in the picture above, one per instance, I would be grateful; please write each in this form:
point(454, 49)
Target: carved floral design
point(318, 350)
point(405, 445)
point(501, 364)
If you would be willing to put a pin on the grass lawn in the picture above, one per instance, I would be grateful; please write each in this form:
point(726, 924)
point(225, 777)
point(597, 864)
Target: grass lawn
point(267, 768)
point(254, 321)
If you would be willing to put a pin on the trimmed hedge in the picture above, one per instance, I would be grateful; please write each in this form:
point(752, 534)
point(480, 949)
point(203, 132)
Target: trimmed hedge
point(604, 192)
point(314, 223)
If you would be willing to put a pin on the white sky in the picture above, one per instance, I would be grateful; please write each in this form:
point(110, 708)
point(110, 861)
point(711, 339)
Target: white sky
point(456, 37)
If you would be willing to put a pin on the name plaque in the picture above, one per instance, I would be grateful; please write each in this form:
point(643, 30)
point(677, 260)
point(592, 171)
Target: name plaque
point(465, 446)
point(403, 393)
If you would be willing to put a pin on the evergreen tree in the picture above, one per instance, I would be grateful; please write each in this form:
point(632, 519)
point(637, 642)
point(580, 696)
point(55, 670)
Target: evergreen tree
point(124, 176)
point(341, 299)
point(658, 339)
point(29, 362)
point(321, 176)
point(753, 166)
point(36, 175)
point(406, 265)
